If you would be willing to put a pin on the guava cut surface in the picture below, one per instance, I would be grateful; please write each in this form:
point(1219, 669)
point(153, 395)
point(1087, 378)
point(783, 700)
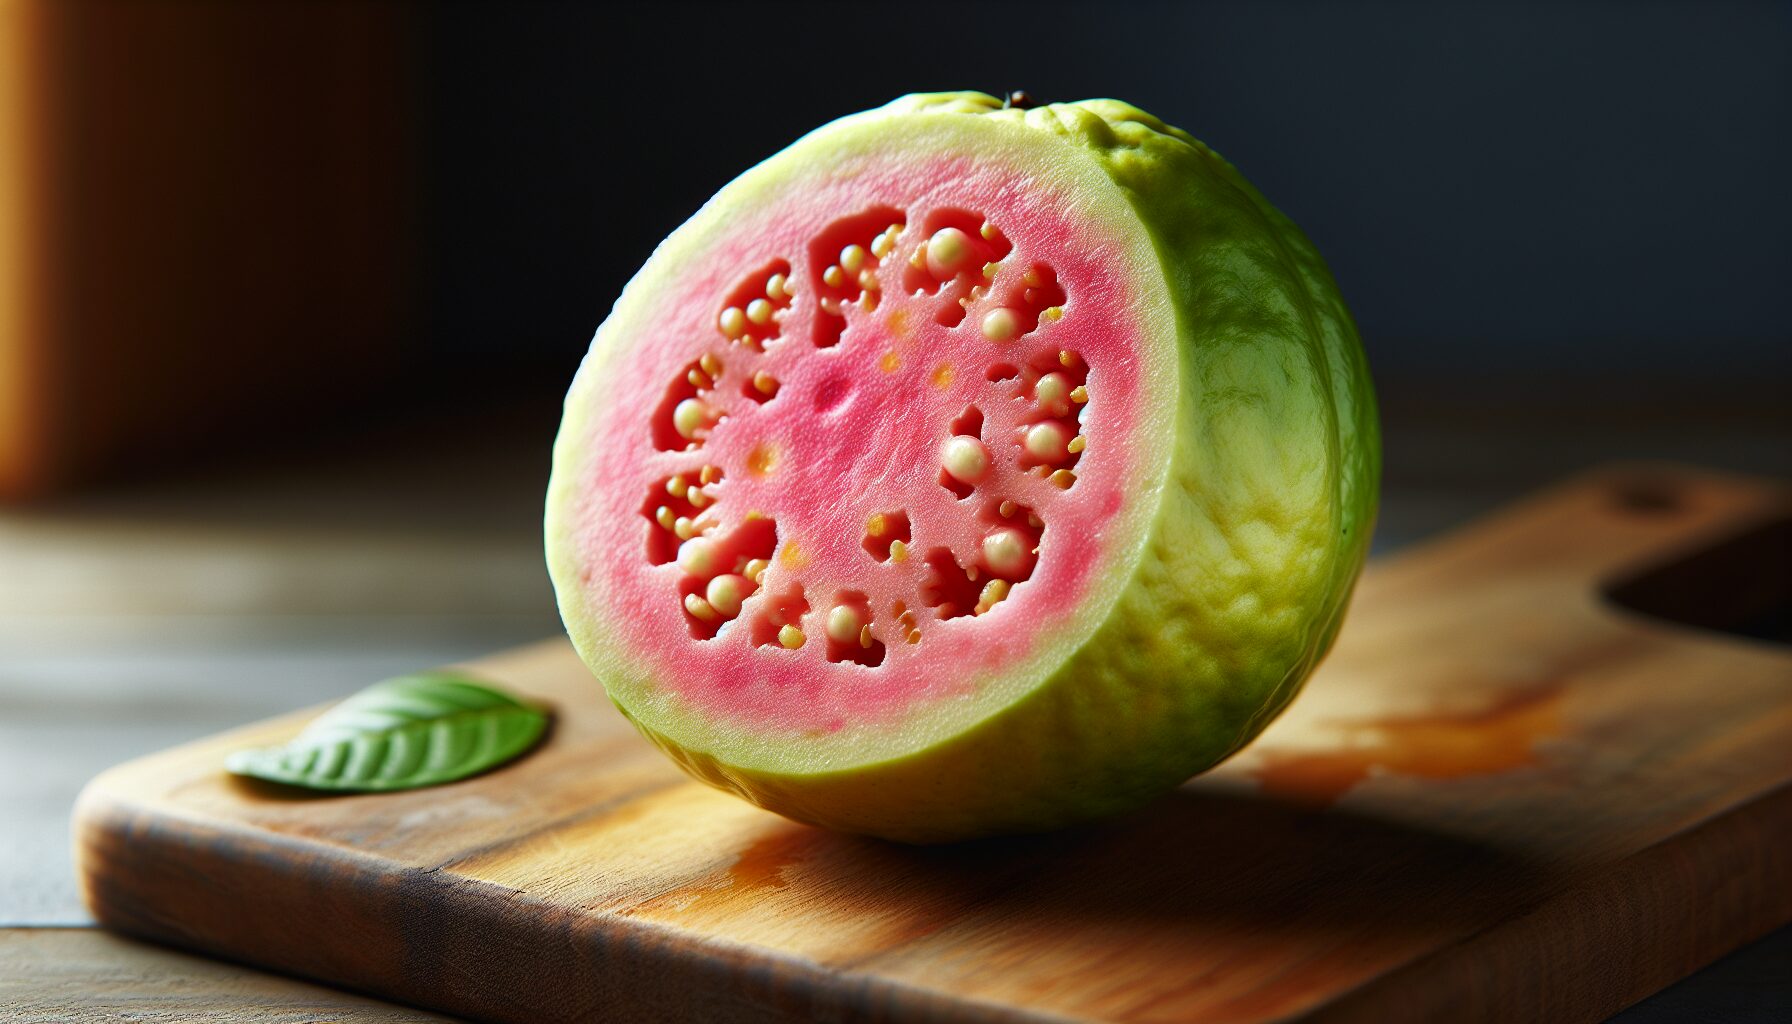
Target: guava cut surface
point(964, 470)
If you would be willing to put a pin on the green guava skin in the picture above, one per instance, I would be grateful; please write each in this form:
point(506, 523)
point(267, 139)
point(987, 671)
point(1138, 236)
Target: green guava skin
point(1241, 583)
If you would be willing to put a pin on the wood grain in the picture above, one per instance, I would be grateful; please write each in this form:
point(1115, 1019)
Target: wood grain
point(64, 975)
point(1501, 799)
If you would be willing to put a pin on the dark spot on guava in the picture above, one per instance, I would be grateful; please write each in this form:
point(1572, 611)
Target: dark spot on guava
point(833, 393)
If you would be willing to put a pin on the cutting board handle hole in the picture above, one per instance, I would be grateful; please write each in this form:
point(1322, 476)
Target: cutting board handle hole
point(1739, 583)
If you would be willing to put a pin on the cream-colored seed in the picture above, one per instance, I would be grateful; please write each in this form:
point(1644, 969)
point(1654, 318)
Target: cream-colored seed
point(898, 551)
point(1001, 325)
point(709, 475)
point(1079, 394)
point(699, 557)
point(726, 592)
point(710, 364)
point(865, 636)
point(733, 321)
point(988, 231)
point(698, 379)
point(765, 383)
point(755, 568)
point(676, 486)
point(882, 245)
point(1047, 441)
point(684, 528)
point(692, 417)
point(1052, 313)
point(1077, 444)
point(1007, 552)
point(664, 517)
point(699, 607)
point(774, 287)
point(759, 311)
point(947, 252)
point(868, 280)
point(791, 637)
point(832, 277)
point(1062, 479)
point(965, 458)
point(844, 623)
point(852, 258)
point(990, 269)
point(1007, 509)
point(1052, 392)
point(697, 498)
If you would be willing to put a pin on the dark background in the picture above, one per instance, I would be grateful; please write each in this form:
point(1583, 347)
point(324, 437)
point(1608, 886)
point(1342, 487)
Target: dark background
point(1527, 192)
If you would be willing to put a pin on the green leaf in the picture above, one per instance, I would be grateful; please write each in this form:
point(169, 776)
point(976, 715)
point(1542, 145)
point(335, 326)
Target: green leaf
point(416, 730)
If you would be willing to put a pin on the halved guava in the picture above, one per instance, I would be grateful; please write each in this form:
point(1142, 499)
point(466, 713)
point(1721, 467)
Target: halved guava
point(966, 469)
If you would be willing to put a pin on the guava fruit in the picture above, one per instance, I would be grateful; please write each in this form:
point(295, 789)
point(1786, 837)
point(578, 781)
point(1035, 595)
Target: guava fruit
point(966, 469)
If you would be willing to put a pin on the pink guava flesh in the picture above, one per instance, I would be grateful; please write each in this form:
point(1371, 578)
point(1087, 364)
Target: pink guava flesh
point(771, 427)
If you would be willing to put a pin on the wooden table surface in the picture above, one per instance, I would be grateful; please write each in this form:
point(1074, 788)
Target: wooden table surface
point(155, 613)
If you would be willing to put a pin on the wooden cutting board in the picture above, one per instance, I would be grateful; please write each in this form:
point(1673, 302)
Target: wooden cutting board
point(1507, 796)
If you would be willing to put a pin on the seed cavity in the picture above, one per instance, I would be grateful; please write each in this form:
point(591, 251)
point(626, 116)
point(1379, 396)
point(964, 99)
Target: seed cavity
point(689, 411)
point(672, 508)
point(752, 312)
point(849, 631)
point(947, 587)
point(715, 580)
point(884, 531)
point(952, 260)
point(762, 387)
point(844, 262)
point(780, 611)
point(1023, 305)
point(1009, 550)
point(964, 459)
point(1054, 390)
